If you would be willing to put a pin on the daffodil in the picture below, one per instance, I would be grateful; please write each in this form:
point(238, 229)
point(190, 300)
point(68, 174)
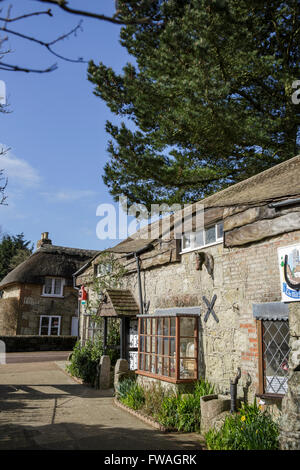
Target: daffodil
point(243, 418)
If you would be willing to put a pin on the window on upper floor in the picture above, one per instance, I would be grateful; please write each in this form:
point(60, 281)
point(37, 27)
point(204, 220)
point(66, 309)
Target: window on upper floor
point(53, 286)
point(201, 238)
point(102, 269)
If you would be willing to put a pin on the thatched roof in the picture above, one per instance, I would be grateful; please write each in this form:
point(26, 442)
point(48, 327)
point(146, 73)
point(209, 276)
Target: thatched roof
point(280, 181)
point(118, 303)
point(130, 245)
point(49, 260)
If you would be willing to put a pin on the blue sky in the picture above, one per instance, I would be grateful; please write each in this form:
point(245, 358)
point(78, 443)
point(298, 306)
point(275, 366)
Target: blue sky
point(56, 128)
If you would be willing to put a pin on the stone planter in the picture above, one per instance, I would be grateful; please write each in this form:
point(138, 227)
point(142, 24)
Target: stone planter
point(214, 409)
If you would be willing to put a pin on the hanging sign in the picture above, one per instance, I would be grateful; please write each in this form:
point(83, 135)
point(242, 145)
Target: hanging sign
point(289, 267)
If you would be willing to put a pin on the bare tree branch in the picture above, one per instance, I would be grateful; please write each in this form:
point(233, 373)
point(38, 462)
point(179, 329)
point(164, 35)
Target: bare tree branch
point(63, 5)
point(36, 13)
point(17, 68)
point(47, 45)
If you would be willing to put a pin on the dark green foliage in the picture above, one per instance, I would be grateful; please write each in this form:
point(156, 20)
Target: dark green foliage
point(84, 361)
point(131, 394)
point(154, 397)
point(250, 429)
point(174, 411)
point(124, 387)
point(208, 101)
point(13, 250)
point(182, 411)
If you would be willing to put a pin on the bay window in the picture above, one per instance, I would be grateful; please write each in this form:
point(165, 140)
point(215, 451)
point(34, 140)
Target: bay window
point(168, 345)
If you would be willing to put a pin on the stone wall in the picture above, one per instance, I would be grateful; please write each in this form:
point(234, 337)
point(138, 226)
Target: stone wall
point(242, 276)
point(33, 305)
point(290, 422)
point(22, 306)
point(9, 313)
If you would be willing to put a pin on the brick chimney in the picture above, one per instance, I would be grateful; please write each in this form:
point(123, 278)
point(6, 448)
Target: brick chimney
point(44, 240)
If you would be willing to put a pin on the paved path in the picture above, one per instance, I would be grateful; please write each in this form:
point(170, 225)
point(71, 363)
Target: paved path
point(41, 407)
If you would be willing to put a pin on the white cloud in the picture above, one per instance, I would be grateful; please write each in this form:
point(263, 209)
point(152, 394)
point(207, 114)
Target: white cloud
point(19, 172)
point(68, 195)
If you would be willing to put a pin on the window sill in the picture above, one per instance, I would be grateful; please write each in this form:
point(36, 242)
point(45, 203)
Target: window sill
point(270, 396)
point(53, 295)
point(163, 377)
point(190, 250)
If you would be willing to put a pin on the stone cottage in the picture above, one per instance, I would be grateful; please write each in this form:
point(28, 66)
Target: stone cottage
point(38, 296)
point(223, 298)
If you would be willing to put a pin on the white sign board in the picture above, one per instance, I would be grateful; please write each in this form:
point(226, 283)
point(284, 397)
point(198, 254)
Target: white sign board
point(289, 268)
point(133, 343)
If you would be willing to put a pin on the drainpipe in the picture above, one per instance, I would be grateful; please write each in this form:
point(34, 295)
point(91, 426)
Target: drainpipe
point(233, 391)
point(137, 254)
point(137, 259)
point(78, 304)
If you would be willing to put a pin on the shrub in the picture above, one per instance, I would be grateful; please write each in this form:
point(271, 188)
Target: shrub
point(84, 361)
point(250, 429)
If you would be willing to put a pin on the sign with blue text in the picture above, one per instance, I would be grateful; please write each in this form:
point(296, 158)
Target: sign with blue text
point(289, 267)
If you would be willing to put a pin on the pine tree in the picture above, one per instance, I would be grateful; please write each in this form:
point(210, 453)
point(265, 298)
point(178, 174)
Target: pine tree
point(13, 250)
point(207, 101)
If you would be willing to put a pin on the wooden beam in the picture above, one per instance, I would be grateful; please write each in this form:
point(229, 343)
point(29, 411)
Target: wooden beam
point(262, 229)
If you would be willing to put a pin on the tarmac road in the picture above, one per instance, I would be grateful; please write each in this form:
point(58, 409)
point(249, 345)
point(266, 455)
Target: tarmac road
point(36, 356)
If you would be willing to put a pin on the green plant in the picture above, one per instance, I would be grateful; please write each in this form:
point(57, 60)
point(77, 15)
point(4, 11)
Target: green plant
point(124, 387)
point(135, 397)
point(182, 411)
point(84, 361)
point(250, 429)
point(203, 387)
point(131, 394)
point(175, 411)
point(154, 396)
point(167, 415)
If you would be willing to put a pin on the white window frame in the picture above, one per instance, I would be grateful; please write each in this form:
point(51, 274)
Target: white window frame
point(49, 324)
point(103, 269)
point(193, 245)
point(52, 294)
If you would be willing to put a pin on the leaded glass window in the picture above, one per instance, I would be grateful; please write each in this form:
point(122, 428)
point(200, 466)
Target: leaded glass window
point(275, 356)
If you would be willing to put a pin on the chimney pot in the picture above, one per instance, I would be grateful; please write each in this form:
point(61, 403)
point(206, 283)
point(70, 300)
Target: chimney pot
point(44, 240)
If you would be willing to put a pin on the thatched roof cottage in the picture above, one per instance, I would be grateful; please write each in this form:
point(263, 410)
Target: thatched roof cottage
point(38, 296)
